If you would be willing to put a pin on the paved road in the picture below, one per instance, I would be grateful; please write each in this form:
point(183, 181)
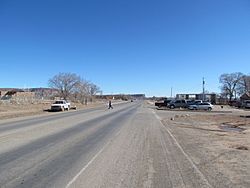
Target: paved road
point(123, 147)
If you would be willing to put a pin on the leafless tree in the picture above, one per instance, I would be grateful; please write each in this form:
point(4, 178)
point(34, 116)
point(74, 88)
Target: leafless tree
point(244, 85)
point(230, 84)
point(65, 83)
point(93, 89)
point(82, 91)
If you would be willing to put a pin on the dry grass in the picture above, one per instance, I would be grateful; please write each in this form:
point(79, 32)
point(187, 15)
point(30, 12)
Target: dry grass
point(213, 147)
point(10, 110)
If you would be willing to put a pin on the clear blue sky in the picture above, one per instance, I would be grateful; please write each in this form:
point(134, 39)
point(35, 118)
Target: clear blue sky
point(125, 46)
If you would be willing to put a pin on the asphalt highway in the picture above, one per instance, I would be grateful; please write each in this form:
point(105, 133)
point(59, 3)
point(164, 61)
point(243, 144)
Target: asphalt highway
point(122, 147)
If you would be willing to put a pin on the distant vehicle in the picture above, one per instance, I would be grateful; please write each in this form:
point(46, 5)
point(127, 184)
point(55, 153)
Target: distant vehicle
point(246, 104)
point(60, 105)
point(201, 106)
point(198, 101)
point(237, 104)
point(164, 103)
point(190, 102)
point(178, 104)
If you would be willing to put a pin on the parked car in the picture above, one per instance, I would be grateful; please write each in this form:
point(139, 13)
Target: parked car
point(246, 104)
point(164, 103)
point(201, 106)
point(236, 103)
point(178, 104)
point(60, 105)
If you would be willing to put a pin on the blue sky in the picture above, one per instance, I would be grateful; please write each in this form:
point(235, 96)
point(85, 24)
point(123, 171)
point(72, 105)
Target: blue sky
point(125, 46)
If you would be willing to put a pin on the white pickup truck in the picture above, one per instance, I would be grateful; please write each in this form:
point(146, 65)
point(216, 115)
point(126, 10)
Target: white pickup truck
point(60, 105)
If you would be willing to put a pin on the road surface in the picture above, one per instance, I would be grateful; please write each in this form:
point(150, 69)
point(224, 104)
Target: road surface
point(127, 146)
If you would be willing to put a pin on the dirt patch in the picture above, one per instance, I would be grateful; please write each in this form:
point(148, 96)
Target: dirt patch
point(231, 127)
point(218, 143)
point(239, 147)
point(218, 119)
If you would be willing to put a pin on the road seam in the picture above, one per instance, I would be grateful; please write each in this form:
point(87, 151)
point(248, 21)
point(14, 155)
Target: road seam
point(184, 153)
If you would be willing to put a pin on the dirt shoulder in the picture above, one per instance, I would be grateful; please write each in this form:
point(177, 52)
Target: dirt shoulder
point(8, 110)
point(218, 143)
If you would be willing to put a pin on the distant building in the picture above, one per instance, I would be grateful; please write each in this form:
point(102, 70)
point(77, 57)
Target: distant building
point(45, 93)
point(27, 94)
point(122, 96)
point(245, 96)
point(208, 97)
point(17, 95)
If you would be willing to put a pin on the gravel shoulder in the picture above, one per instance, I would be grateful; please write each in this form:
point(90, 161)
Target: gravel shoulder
point(218, 143)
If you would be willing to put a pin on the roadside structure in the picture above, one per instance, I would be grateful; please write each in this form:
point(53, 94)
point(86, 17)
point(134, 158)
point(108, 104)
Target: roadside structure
point(27, 95)
point(17, 95)
point(208, 97)
point(245, 96)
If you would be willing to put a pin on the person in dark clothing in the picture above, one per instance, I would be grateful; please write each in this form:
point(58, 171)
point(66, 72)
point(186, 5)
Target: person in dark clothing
point(110, 105)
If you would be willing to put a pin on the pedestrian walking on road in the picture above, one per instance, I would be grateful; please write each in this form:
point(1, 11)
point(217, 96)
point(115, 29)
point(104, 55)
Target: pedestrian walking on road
point(110, 105)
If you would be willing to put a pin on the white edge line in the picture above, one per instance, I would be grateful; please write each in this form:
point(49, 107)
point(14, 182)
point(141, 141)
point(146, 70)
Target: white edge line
point(85, 167)
point(185, 154)
point(89, 163)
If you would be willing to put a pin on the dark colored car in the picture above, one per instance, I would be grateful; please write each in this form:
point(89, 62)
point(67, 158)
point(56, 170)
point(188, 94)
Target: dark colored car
point(178, 104)
point(164, 103)
point(246, 104)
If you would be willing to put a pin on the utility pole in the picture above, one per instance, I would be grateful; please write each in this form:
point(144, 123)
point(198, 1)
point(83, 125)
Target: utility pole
point(203, 87)
point(171, 92)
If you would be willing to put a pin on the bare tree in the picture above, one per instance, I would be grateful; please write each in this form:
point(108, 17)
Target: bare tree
point(244, 85)
point(93, 89)
point(85, 90)
point(65, 83)
point(230, 83)
point(82, 91)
